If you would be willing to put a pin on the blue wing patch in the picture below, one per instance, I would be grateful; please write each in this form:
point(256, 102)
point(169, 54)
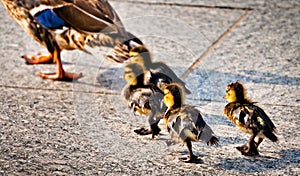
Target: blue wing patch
point(48, 19)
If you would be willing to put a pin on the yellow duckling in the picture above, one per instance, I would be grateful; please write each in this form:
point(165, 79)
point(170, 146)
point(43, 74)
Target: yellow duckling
point(249, 118)
point(143, 99)
point(160, 73)
point(184, 122)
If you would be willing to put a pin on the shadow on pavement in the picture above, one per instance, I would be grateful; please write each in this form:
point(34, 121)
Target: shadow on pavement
point(261, 163)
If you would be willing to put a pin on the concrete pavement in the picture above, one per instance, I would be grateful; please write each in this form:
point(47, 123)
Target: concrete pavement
point(84, 128)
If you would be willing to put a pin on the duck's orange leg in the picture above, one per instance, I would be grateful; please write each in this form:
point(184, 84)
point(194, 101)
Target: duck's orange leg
point(40, 58)
point(60, 75)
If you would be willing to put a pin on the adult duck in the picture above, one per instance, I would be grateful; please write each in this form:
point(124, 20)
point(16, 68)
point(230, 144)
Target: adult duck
point(68, 25)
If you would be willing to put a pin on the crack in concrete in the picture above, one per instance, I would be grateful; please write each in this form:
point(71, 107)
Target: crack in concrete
point(215, 44)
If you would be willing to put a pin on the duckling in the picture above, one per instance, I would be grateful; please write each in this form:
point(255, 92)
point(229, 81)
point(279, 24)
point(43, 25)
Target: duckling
point(143, 99)
point(184, 122)
point(249, 118)
point(67, 25)
point(160, 73)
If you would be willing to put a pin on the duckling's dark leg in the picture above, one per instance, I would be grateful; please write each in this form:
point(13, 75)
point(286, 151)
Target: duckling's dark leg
point(192, 158)
point(245, 146)
point(154, 129)
point(258, 142)
point(60, 75)
point(40, 58)
point(251, 147)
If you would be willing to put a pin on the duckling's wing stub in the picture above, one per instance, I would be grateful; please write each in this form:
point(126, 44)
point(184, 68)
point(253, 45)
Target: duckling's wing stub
point(263, 122)
point(189, 125)
point(264, 116)
point(202, 131)
point(205, 133)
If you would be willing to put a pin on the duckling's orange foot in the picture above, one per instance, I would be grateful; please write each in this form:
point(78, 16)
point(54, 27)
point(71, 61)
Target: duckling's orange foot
point(250, 152)
point(242, 148)
point(143, 131)
point(65, 76)
point(40, 58)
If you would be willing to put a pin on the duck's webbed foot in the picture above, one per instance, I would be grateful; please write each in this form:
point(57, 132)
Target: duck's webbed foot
point(65, 76)
point(40, 58)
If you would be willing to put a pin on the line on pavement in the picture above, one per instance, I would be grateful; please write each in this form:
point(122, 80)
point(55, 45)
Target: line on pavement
point(117, 94)
point(187, 5)
point(59, 90)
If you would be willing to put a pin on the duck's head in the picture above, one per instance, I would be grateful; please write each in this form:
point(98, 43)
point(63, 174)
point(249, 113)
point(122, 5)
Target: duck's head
point(235, 92)
point(140, 55)
point(134, 74)
point(173, 97)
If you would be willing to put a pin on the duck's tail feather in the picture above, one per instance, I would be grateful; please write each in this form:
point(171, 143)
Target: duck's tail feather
point(271, 136)
point(213, 141)
point(206, 135)
point(121, 50)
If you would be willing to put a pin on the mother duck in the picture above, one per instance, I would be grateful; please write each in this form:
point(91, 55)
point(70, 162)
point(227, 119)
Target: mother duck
point(67, 25)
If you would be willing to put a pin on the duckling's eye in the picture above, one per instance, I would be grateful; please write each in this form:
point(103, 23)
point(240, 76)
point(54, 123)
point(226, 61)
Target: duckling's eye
point(227, 89)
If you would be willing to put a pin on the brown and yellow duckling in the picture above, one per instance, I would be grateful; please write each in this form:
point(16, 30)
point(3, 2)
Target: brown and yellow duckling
point(160, 73)
point(249, 118)
point(143, 99)
point(184, 122)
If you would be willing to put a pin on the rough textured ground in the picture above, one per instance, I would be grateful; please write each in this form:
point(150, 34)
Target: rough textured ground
point(84, 128)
